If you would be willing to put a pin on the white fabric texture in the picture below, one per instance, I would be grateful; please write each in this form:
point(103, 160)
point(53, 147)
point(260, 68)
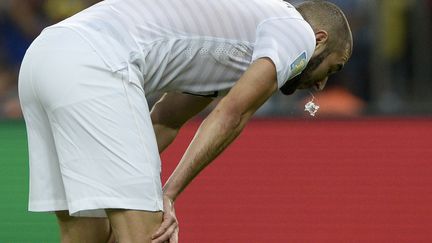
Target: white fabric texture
point(83, 84)
point(194, 45)
point(91, 140)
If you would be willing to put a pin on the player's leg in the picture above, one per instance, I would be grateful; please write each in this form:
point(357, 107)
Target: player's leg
point(132, 226)
point(107, 151)
point(115, 166)
point(47, 192)
point(84, 229)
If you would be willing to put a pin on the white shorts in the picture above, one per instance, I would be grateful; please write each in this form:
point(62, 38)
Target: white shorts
point(91, 140)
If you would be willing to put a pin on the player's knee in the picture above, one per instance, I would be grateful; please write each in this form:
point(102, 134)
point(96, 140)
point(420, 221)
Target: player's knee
point(80, 229)
point(134, 226)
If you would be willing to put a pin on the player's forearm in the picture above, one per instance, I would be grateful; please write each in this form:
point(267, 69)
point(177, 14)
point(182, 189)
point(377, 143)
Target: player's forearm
point(164, 135)
point(171, 112)
point(213, 136)
point(224, 124)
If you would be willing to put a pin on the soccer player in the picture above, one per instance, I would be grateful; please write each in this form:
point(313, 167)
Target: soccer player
point(93, 144)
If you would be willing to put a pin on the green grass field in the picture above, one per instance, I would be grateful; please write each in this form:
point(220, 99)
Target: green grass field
point(17, 225)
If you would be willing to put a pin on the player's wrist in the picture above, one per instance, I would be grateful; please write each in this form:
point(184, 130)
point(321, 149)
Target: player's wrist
point(167, 195)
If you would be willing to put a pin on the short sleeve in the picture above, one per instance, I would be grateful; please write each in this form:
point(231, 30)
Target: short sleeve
point(288, 42)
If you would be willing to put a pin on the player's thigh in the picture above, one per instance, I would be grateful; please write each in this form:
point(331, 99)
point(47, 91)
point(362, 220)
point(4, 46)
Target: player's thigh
point(84, 229)
point(107, 150)
point(46, 192)
point(134, 225)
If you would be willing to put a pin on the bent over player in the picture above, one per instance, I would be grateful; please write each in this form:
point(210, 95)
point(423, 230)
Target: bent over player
point(93, 144)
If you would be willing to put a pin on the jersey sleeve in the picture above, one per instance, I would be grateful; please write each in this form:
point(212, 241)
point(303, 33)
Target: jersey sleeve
point(288, 42)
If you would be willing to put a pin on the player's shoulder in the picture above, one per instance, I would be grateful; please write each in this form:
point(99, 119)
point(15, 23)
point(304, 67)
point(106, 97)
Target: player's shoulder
point(278, 11)
point(279, 6)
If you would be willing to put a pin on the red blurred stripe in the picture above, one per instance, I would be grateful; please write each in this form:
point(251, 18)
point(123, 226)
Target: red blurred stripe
point(312, 181)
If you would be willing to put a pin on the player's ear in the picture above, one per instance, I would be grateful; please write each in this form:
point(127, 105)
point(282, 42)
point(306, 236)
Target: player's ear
point(321, 39)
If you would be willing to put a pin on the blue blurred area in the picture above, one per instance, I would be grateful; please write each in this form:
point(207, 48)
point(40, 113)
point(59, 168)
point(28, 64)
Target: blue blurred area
point(389, 72)
point(14, 42)
point(21, 21)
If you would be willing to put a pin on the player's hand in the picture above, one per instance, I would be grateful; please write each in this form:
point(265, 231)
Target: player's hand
point(168, 231)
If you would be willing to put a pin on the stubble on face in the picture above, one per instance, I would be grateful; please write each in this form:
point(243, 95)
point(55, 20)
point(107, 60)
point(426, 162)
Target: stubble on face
point(304, 77)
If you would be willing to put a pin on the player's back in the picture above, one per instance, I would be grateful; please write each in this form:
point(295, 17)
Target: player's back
point(174, 42)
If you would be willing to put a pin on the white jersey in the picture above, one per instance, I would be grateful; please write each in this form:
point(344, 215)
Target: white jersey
point(195, 46)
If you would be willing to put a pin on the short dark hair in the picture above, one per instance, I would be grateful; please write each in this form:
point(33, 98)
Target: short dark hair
point(323, 15)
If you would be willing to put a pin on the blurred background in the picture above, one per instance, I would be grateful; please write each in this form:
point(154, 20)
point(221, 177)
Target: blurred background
point(366, 180)
point(390, 72)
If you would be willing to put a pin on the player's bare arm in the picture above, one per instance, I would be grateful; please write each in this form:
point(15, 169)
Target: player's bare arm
point(171, 112)
point(217, 131)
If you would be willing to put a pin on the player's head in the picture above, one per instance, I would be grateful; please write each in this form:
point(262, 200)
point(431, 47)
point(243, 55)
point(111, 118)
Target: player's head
point(334, 44)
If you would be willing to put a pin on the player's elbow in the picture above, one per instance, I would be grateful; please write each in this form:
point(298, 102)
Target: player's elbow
point(165, 120)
